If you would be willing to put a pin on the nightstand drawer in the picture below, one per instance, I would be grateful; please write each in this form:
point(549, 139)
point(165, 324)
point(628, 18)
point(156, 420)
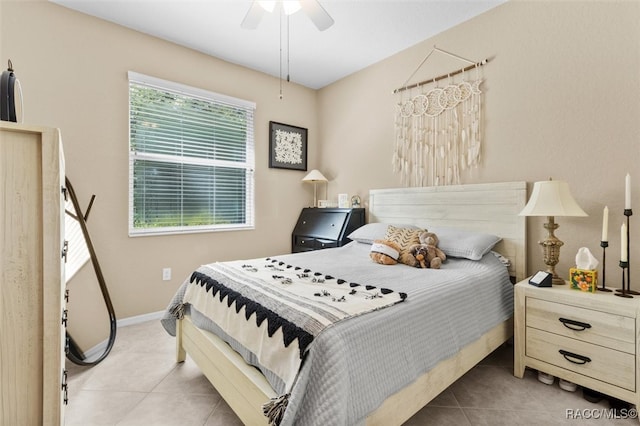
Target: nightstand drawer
point(327, 225)
point(309, 243)
point(323, 244)
point(598, 362)
point(601, 328)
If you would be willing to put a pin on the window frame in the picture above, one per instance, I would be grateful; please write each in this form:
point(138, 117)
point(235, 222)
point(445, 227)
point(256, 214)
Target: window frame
point(248, 165)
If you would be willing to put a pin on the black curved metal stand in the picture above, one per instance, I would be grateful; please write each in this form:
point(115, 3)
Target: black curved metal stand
point(74, 355)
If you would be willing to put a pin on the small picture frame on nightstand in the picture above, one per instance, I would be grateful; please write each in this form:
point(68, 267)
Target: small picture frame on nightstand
point(343, 201)
point(355, 202)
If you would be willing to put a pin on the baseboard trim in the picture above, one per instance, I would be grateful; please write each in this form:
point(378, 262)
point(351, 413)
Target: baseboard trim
point(140, 319)
point(98, 349)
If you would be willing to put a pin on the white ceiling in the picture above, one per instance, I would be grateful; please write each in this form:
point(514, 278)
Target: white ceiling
point(365, 31)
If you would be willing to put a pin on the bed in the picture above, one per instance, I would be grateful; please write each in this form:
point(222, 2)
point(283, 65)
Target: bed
point(408, 377)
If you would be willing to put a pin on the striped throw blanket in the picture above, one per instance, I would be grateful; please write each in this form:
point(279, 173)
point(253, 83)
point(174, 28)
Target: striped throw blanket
point(276, 309)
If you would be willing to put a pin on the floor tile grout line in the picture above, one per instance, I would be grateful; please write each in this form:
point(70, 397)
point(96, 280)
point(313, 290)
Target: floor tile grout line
point(164, 378)
point(213, 410)
point(464, 413)
point(132, 409)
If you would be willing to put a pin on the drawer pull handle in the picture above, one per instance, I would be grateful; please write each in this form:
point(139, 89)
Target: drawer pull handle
point(574, 325)
point(569, 355)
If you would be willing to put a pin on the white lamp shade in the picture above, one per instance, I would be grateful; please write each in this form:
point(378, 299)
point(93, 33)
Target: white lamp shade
point(314, 176)
point(551, 198)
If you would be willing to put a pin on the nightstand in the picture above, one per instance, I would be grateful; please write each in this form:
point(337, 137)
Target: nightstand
point(324, 228)
point(587, 338)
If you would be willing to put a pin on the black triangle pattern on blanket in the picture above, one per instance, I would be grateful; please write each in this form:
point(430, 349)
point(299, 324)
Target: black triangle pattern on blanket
point(290, 331)
point(383, 290)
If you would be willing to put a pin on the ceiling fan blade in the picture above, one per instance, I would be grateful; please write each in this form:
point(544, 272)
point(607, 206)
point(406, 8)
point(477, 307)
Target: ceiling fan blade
point(317, 14)
point(253, 16)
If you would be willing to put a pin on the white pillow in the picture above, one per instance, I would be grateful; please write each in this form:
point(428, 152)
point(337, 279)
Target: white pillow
point(370, 232)
point(470, 245)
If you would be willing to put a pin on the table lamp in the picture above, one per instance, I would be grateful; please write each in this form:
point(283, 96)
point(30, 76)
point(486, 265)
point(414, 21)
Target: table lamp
point(314, 176)
point(551, 198)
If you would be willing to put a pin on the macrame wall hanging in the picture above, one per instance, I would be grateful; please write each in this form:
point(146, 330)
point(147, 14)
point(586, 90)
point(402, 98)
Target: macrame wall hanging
point(438, 126)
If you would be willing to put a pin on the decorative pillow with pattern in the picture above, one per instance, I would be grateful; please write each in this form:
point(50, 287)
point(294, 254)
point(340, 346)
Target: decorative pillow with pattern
point(404, 238)
point(372, 231)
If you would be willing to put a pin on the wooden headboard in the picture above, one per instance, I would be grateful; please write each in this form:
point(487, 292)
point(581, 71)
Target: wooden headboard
point(489, 207)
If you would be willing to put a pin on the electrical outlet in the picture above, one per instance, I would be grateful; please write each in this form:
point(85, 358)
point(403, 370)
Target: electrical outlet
point(166, 274)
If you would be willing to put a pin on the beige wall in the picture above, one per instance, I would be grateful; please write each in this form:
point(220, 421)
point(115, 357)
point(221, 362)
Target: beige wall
point(561, 100)
point(73, 69)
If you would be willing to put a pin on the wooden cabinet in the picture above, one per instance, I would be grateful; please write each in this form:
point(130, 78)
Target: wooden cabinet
point(32, 276)
point(587, 338)
point(324, 228)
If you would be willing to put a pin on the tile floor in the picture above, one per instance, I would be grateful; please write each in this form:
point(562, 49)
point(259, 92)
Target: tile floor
point(140, 384)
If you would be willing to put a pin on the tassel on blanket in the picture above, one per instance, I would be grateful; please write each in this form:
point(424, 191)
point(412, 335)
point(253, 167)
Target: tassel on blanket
point(275, 408)
point(178, 311)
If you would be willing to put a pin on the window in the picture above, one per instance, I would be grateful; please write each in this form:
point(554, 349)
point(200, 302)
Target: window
point(191, 159)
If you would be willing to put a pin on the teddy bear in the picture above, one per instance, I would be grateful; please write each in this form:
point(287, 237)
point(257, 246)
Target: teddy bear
point(427, 254)
point(385, 252)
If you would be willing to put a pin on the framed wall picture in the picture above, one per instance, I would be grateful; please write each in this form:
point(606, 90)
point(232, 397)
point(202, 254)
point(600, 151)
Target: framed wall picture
point(287, 146)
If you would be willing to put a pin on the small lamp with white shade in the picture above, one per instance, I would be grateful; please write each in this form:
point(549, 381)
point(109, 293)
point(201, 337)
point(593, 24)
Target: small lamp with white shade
point(315, 176)
point(552, 198)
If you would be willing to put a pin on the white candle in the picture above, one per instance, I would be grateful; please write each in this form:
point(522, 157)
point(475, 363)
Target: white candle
point(605, 224)
point(627, 192)
point(623, 242)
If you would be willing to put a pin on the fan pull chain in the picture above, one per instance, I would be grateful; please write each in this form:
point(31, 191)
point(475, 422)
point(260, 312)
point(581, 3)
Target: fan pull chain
point(288, 50)
point(280, 74)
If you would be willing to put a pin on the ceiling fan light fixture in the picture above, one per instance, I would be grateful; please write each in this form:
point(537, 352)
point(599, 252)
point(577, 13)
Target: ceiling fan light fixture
point(288, 6)
point(312, 8)
point(268, 5)
point(291, 6)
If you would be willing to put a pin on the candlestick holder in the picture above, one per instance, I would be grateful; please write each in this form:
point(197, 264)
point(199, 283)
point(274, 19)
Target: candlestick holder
point(604, 245)
point(626, 284)
point(623, 292)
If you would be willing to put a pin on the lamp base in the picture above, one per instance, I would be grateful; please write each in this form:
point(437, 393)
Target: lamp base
point(551, 250)
point(315, 194)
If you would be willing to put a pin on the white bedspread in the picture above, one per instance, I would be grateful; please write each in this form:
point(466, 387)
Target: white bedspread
point(352, 367)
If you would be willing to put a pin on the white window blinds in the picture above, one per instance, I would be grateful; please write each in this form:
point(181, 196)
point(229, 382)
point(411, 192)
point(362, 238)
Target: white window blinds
point(191, 159)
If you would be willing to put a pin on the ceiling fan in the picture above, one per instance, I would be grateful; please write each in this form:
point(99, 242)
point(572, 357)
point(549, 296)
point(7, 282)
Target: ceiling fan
point(312, 8)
